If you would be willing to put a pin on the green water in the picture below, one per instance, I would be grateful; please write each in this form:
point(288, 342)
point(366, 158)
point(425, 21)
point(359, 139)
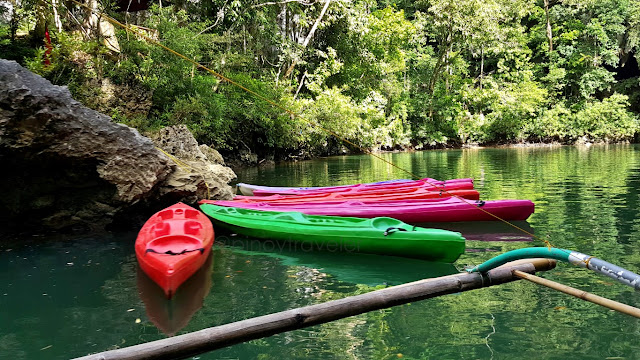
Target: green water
point(63, 297)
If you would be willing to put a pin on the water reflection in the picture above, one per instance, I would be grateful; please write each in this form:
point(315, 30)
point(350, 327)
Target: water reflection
point(53, 289)
point(487, 230)
point(170, 316)
point(356, 268)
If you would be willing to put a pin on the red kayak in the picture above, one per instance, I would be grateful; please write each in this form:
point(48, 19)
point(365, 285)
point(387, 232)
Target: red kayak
point(413, 194)
point(173, 244)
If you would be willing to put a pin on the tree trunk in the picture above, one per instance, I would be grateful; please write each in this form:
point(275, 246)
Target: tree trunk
point(309, 36)
point(91, 20)
point(96, 26)
point(549, 33)
point(15, 20)
point(41, 21)
point(481, 65)
point(56, 15)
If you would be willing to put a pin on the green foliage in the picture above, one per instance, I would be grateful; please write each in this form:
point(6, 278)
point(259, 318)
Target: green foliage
point(608, 119)
point(553, 124)
point(515, 106)
point(379, 74)
point(595, 80)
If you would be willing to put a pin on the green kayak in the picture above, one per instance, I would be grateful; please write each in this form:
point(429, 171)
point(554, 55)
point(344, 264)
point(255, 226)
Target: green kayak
point(381, 235)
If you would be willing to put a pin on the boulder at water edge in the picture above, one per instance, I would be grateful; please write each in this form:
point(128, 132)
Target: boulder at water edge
point(65, 165)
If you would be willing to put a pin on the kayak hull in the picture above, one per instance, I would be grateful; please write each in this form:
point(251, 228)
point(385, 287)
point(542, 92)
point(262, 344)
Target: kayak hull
point(374, 190)
point(341, 234)
point(173, 244)
point(340, 197)
point(437, 210)
point(248, 189)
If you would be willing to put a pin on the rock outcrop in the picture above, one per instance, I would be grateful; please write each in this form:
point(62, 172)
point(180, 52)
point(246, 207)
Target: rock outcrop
point(199, 174)
point(66, 165)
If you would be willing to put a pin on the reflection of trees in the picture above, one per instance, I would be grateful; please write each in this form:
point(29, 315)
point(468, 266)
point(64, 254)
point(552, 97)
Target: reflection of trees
point(586, 199)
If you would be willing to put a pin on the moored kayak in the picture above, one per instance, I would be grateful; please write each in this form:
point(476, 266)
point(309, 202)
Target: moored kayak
point(173, 244)
point(248, 189)
point(413, 211)
point(381, 235)
point(378, 189)
point(404, 195)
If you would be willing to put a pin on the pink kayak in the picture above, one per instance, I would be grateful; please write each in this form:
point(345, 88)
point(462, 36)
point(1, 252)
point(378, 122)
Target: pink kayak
point(391, 196)
point(378, 189)
point(248, 189)
point(413, 211)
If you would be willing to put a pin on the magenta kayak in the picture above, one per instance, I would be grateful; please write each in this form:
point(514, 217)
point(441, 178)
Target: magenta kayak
point(413, 211)
point(378, 189)
point(248, 189)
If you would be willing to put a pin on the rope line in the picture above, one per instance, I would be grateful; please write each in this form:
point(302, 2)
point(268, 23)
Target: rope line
point(294, 114)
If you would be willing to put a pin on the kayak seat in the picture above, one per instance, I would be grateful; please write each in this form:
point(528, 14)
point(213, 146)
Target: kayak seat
point(166, 214)
point(192, 227)
point(161, 229)
point(174, 243)
point(191, 214)
point(383, 223)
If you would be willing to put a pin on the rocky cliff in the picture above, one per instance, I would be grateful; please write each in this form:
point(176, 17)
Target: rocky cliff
point(69, 166)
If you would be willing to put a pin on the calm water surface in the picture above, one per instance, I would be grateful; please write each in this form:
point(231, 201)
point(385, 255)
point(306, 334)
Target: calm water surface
point(62, 297)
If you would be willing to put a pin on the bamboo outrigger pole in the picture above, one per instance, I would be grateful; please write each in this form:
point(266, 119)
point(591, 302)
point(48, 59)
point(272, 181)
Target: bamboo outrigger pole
point(580, 294)
point(198, 342)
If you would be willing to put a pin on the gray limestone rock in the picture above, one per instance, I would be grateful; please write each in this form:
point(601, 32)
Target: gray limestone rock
point(202, 176)
point(67, 165)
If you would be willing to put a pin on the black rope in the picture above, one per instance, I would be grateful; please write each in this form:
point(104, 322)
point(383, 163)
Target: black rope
point(391, 229)
point(169, 252)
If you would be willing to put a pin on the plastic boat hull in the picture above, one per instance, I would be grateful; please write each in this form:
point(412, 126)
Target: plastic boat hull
point(248, 189)
point(382, 235)
point(417, 211)
point(341, 197)
point(173, 244)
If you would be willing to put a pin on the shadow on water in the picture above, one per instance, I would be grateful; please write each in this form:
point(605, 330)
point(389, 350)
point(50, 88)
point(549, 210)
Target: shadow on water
point(170, 316)
point(356, 268)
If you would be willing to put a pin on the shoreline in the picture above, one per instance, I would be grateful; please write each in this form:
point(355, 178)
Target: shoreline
point(237, 164)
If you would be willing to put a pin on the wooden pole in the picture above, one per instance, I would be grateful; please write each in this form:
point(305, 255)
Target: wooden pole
point(608, 303)
point(183, 346)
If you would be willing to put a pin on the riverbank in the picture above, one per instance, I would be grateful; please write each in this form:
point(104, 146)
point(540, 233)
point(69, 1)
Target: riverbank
point(238, 164)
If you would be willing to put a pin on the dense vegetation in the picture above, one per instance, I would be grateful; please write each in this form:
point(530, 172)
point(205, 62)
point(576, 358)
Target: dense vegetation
point(380, 74)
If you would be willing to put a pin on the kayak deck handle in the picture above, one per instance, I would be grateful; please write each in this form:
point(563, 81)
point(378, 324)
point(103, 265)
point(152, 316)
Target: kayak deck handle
point(169, 252)
point(393, 229)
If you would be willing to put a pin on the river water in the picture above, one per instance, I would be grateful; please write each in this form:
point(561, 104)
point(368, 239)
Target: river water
point(64, 296)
